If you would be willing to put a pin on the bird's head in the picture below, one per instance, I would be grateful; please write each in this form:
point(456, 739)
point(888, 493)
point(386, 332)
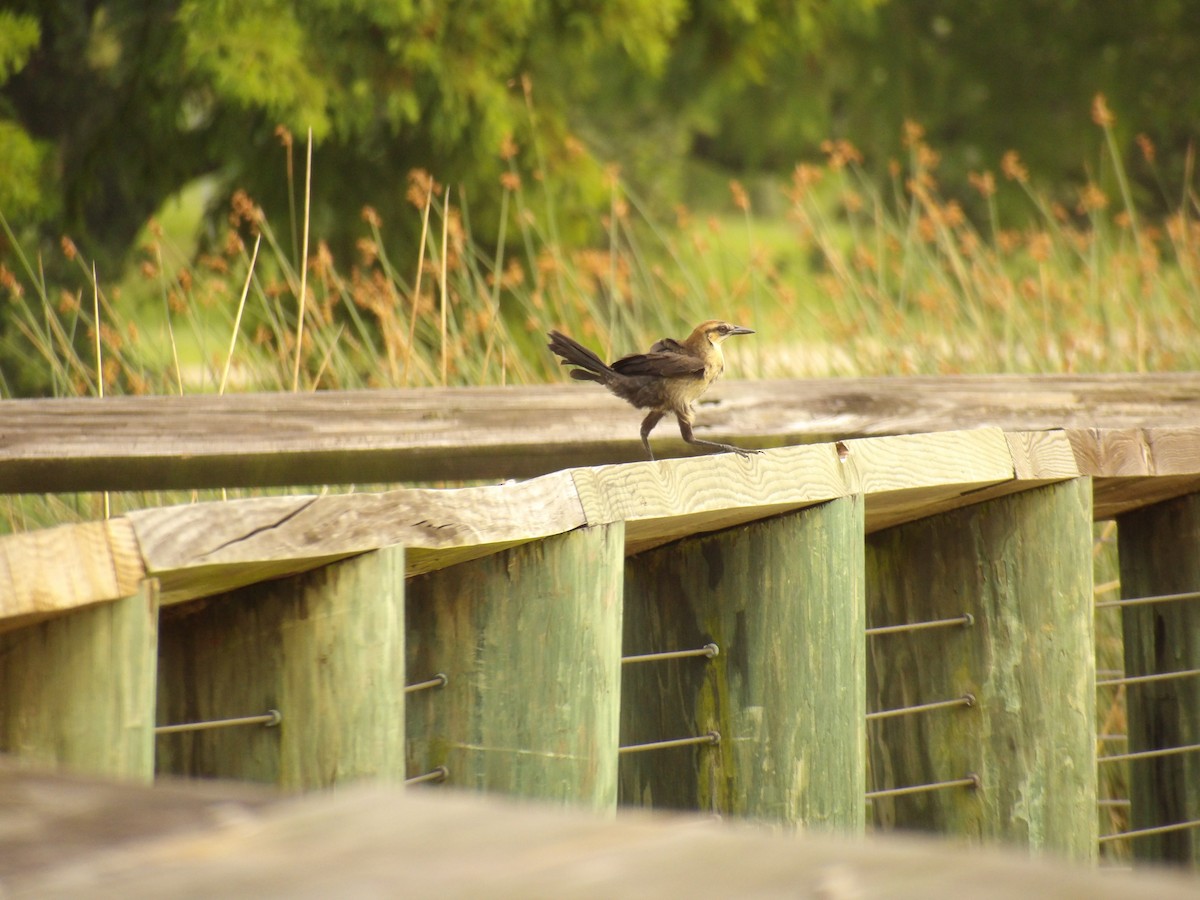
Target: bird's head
point(715, 331)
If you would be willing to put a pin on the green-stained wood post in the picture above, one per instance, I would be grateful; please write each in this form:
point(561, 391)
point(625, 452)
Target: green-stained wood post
point(1021, 566)
point(783, 599)
point(529, 640)
point(325, 649)
point(78, 691)
point(1159, 548)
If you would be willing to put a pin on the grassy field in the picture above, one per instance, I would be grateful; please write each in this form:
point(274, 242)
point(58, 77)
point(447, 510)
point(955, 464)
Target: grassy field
point(843, 277)
point(850, 279)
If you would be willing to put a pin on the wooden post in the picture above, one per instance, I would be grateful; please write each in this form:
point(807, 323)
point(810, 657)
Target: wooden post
point(529, 640)
point(78, 690)
point(1021, 567)
point(783, 600)
point(326, 649)
point(1159, 548)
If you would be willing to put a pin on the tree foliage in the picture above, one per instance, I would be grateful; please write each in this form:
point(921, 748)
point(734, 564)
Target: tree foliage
point(134, 99)
point(109, 106)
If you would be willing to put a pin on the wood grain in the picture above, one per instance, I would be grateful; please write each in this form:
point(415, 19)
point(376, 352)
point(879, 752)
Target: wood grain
point(45, 572)
point(78, 691)
point(325, 648)
point(1042, 456)
point(1136, 467)
point(1021, 565)
point(663, 501)
point(530, 640)
point(783, 600)
point(908, 477)
point(145, 443)
point(208, 548)
point(249, 540)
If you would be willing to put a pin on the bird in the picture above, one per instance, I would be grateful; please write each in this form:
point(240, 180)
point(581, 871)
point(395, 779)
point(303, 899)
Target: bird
point(668, 378)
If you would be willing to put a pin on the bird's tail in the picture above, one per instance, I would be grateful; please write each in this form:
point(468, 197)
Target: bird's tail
point(573, 353)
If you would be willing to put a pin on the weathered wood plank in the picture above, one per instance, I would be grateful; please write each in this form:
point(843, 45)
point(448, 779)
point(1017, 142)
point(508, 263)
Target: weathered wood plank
point(1159, 551)
point(120, 443)
point(203, 549)
point(78, 691)
point(326, 649)
point(1136, 467)
point(250, 540)
point(1042, 456)
point(663, 501)
point(783, 600)
point(221, 840)
point(530, 641)
point(911, 476)
point(46, 572)
point(903, 477)
point(1021, 566)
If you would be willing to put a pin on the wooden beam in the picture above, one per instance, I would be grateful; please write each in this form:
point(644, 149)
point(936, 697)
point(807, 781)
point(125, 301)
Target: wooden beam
point(1021, 567)
point(783, 601)
point(57, 569)
point(1136, 467)
point(530, 642)
point(666, 500)
point(193, 549)
point(427, 434)
point(325, 649)
point(1159, 551)
point(78, 691)
point(207, 548)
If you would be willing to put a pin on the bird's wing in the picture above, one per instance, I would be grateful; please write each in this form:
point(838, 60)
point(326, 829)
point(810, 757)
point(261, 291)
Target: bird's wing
point(668, 345)
point(664, 363)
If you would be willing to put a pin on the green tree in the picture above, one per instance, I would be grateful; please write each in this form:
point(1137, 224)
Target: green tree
point(137, 97)
point(23, 160)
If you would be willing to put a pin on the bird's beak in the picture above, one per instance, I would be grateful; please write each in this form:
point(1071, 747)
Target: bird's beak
point(738, 329)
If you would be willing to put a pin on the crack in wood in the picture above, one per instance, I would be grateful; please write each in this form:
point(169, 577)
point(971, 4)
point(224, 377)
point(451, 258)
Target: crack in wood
point(260, 529)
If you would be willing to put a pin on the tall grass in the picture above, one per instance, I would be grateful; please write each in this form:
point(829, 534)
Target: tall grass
point(854, 279)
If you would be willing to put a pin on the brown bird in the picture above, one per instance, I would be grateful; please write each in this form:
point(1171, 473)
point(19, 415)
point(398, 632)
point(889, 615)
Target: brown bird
point(667, 379)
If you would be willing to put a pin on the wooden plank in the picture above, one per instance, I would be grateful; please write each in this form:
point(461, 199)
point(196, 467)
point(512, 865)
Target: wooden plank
point(1038, 458)
point(783, 600)
point(326, 649)
point(56, 569)
point(1159, 551)
point(911, 476)
point(221, 840)
point(121, 443)
point(1021, 566)
point(530, 640)
point(903, 477)
point(1136, 467)
point(78, 691)
point(666, 500)
point(251, 540)
point(1042, 456)
point(203, 549)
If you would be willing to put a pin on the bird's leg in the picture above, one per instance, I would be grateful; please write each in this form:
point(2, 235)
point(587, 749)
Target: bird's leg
point(685, 429)
point(648, 424)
